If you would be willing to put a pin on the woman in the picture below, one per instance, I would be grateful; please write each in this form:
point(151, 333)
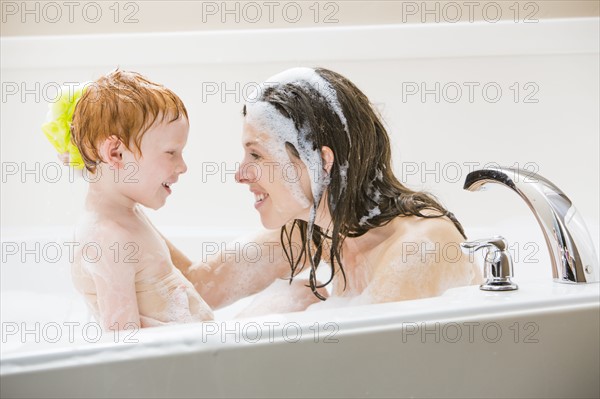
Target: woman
point(318, 160)
point(382, 241)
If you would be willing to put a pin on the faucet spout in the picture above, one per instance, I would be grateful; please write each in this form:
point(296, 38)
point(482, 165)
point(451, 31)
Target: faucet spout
point(571, 248)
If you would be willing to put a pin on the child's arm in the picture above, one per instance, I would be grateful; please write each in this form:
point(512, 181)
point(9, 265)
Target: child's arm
point(178, 258)
point(114, 278)
point(117, 299)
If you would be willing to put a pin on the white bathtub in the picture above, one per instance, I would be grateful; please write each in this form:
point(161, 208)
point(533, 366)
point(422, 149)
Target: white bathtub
point(538, 341)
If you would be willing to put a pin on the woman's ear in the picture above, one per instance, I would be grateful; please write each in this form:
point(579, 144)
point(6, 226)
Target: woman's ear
point(111, 152)
point(327, 158)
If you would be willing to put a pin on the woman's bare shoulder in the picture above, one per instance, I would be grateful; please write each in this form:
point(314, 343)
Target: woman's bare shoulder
point(422, 258)
point(414, 230)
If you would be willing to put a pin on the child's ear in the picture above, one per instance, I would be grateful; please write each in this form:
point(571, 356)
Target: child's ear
point(327, 158)
point(111, 151)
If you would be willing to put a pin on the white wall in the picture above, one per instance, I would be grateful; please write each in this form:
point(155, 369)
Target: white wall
point(47, 17)
point(557, 135)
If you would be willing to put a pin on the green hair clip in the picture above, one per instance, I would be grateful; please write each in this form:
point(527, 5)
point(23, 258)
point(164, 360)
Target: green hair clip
point(58, 126)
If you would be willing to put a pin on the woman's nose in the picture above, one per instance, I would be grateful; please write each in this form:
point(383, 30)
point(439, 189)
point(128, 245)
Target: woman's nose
point(245, 174)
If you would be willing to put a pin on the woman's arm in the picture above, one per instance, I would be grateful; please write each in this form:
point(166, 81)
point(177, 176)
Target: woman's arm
point(247, 266)
point(244, 267)
point(283, 297)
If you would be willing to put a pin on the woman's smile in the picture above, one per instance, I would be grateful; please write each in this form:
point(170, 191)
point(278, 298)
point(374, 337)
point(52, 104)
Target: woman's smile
point(259, 197)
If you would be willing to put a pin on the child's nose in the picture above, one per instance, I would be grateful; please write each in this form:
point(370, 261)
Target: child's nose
point(182, 167)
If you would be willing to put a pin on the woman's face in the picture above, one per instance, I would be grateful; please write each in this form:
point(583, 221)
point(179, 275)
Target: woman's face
point(279, 181)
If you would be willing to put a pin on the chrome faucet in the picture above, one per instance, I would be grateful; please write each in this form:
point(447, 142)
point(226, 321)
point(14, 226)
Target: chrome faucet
point(498, 266)
point(571, 248)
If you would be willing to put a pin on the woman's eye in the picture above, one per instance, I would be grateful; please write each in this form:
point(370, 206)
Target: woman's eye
point(171, 152)
point(255, 155)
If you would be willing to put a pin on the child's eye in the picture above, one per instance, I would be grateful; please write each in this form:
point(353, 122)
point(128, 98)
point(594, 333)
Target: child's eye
point(171, 152)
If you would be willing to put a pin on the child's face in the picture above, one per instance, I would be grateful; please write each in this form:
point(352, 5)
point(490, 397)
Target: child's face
point(147, 178)
point(281, 186)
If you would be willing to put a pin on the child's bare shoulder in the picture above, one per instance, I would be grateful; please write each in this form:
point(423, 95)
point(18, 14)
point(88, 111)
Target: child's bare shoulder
point(101, 230)
point(108, 241)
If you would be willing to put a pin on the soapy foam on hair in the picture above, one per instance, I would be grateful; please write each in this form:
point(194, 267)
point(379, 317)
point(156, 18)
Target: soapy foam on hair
point(303, 75)
point(372, 213)
point(266, 117)
point(373, 193)
point(344, 176)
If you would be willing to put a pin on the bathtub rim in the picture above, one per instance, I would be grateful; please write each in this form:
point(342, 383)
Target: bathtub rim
point(455, 305)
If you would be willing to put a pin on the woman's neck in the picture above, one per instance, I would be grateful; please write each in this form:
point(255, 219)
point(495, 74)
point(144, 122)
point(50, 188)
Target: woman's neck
point(371, 240)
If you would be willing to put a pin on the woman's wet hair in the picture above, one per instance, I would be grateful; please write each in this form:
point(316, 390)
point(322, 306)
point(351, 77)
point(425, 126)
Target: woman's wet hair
point(363, 193)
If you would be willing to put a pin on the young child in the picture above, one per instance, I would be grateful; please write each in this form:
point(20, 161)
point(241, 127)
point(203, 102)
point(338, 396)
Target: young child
point(129, 133)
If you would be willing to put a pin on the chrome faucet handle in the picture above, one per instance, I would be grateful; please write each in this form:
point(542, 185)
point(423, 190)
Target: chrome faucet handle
point(498, 267)
point(572, 253)
point(498, 241)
